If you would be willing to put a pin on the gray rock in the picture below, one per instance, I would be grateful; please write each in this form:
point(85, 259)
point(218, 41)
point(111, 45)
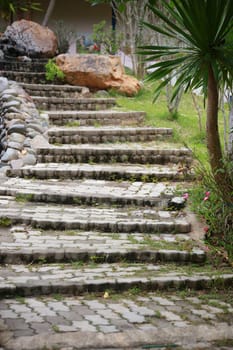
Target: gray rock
point(24, 59)
point(11, 116)
point(39, 141)
point(32, 133)
point(16, 145)
point(3, 84)
point(17, 164)
point(176, 203)
point(27, 142)
point(29, 159)
point(10, 154)
point(12, 110)
point(36, 126)
point(17, 128)
point(16, 137)
point(1, 55)
point(10, 104)
point(11, 91)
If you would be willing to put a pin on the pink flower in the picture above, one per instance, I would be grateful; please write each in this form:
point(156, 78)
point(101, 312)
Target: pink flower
point(206, 229)
point(207, 194)
point(185, 196)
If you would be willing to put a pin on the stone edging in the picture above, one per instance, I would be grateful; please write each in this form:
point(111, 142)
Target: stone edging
point(22, 127)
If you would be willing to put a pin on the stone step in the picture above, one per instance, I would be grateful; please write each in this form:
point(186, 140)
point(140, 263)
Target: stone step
point(24, 245)
point(78, 278)
point(140, 153)
point(25, 77)
point(188, 320)
point(104, 117)
point(76, 135)
point(79, 104)
point(14, 64)
point(90, 192)
point(116, 171)
point(52, 90)
point(62, 217)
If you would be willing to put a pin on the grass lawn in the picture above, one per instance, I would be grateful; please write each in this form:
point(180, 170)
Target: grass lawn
point(185, 124)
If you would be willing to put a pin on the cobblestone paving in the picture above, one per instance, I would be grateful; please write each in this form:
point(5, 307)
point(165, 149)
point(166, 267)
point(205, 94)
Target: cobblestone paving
point(150, 314)
point(103, 171)
point(113, 220)
point(156, 194)
point(57, 281)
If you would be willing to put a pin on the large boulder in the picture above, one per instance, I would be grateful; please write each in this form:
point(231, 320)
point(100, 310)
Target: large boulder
point(97, 72)
point(27, 38)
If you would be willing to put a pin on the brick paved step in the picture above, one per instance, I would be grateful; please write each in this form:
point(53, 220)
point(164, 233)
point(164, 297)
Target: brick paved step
point(60, 103)
point(60, 217)
point(143, 153)
point(121, 321)
point(77, 135)
point(90, 192)
point(104, 117)
point(22, 244)
point(52, 90)
point(25, 77)
point(74, 279)
point(116, 171)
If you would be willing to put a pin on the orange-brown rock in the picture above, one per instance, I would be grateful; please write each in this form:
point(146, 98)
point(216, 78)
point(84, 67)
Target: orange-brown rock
point(97, 72)
point(27, 38)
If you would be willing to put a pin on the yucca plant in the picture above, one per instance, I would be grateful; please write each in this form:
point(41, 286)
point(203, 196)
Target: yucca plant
point(203, 58)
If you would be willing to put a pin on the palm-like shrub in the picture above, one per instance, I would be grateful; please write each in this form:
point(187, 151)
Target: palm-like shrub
point(203, 58)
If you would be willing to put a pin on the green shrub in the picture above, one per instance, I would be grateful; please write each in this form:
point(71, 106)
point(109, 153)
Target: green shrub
point(212, 206)
point(53, 72)
point(105, 36)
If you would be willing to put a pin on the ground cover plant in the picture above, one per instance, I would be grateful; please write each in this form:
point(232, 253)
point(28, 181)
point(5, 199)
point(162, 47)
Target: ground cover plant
point(216, 214)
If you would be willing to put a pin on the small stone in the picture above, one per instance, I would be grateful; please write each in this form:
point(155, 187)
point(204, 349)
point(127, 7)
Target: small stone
point(176, 203)
point(16, 145)
point(10, 154)
point(39, 141)
point(10, 104)
point(1, 55)
point(35, 126)
point(17, 128)
point(17, 164)
point(3, 84)
point(16, 137)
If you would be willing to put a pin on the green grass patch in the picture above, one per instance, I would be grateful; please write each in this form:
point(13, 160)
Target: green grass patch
point(5, 222)
point(185, 124)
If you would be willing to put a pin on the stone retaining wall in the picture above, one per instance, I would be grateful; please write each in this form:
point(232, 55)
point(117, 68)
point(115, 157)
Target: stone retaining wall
point(22, 129)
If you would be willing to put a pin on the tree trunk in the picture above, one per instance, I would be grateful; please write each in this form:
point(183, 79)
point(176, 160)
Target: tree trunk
point(213, 140)
point(230, 145)
point(48, 12)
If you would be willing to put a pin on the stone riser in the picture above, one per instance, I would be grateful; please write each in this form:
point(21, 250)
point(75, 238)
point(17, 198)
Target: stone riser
point(37, 89)
point(114, 227)
point(27, 256)
point(111, 156)
point(25, 77)
point(94, 200)
point(38, 288)
point(97, 175)
point(76, 139)
point(96, 121)
point(51, 94)
point(75, 106)
point(96, 118)
point(17, 66)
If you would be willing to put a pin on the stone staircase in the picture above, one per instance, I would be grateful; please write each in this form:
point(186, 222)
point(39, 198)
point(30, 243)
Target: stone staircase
point(92, 216)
